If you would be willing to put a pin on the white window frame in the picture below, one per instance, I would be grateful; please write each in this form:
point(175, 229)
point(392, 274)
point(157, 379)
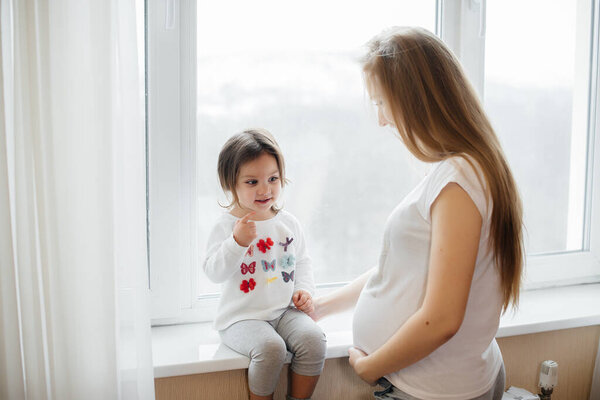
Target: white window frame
point(463, 28)
point(172, 216)
point(171, 116)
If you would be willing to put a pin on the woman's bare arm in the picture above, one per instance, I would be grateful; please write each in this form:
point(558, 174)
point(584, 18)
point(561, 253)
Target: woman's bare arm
point(456, 228)
point(341, 299)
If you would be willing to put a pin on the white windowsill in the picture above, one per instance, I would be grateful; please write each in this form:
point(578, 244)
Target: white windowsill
point(196, 348)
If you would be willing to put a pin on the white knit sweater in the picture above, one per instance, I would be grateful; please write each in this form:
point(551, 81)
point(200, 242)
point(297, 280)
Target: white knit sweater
point(258, 280)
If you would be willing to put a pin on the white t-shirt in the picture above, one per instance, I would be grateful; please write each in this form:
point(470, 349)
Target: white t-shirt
point(258, 280)
point(467, 365)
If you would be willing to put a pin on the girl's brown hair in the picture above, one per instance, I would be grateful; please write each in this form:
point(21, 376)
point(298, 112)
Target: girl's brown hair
point(438, 115)
point(242, 148)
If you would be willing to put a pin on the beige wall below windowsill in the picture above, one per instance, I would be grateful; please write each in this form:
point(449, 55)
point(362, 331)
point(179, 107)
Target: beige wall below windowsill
point(573, 349)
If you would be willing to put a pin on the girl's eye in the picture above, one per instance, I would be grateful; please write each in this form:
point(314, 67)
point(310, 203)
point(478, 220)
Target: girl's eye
point(273, 178)
point(251, 182)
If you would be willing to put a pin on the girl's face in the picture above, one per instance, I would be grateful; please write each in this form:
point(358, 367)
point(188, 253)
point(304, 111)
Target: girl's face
point(258, 187)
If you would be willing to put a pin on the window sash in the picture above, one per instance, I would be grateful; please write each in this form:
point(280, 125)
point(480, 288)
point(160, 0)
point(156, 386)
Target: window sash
point(171, 116)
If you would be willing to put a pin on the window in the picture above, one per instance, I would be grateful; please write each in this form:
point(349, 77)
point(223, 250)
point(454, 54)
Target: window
point(540, 90)
point(294, 70)
point(537, 77)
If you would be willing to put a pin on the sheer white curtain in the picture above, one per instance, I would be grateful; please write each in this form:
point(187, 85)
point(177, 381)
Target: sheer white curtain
point(73, 280)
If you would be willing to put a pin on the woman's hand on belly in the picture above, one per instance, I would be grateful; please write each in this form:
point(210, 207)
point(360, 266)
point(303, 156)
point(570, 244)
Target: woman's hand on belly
point(359, 361)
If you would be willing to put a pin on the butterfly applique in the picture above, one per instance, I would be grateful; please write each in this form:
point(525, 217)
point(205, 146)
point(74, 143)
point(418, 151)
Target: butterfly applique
point(250, 251)
point(287, 277)
point(266, 265)
point(247, 285)
point(264, 245)
point(287, 261)
point(287, 243)
point(251, 268)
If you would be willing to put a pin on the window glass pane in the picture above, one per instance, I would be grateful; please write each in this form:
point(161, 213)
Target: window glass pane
point(293, 69)
point(536, 88)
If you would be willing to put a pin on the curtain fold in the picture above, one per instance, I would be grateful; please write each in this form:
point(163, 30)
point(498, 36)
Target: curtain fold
point(74, 294)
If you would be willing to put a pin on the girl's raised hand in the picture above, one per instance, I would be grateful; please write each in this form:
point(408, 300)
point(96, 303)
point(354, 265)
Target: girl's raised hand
point(303, 301)
point(244, 230)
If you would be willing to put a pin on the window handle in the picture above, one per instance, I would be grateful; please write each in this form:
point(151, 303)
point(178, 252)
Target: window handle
point(481, 4)
point(170, 14)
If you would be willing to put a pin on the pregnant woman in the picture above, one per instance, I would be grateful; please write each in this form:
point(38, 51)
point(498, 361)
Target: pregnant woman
point(425, 318)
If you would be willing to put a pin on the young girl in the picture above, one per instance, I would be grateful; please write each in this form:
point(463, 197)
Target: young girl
point(426, 316)
point(258, 252)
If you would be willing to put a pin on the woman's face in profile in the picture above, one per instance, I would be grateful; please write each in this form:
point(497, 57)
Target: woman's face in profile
point(384, 116)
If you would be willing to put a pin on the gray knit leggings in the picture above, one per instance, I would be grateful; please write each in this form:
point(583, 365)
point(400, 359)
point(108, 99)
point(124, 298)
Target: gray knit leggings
point(267, 343)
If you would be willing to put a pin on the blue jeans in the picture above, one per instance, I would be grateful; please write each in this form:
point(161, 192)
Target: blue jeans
point(390, 392)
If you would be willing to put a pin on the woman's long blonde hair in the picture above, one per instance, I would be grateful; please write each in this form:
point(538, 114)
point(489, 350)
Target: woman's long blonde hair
point(438, 115)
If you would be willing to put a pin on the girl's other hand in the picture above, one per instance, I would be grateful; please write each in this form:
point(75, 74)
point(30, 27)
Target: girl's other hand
point(357, 359)
point(303, 301)
point(244, 230)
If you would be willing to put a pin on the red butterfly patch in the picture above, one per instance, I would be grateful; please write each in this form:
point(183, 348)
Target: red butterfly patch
point(248, 268)
point(248, 285)
point(250, 251)
point(264, 245)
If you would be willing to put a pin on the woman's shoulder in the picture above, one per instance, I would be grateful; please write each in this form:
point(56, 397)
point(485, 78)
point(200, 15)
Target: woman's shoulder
point(463, 168)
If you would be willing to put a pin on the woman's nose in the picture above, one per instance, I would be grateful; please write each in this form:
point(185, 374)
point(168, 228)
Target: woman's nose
point(382, 120)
